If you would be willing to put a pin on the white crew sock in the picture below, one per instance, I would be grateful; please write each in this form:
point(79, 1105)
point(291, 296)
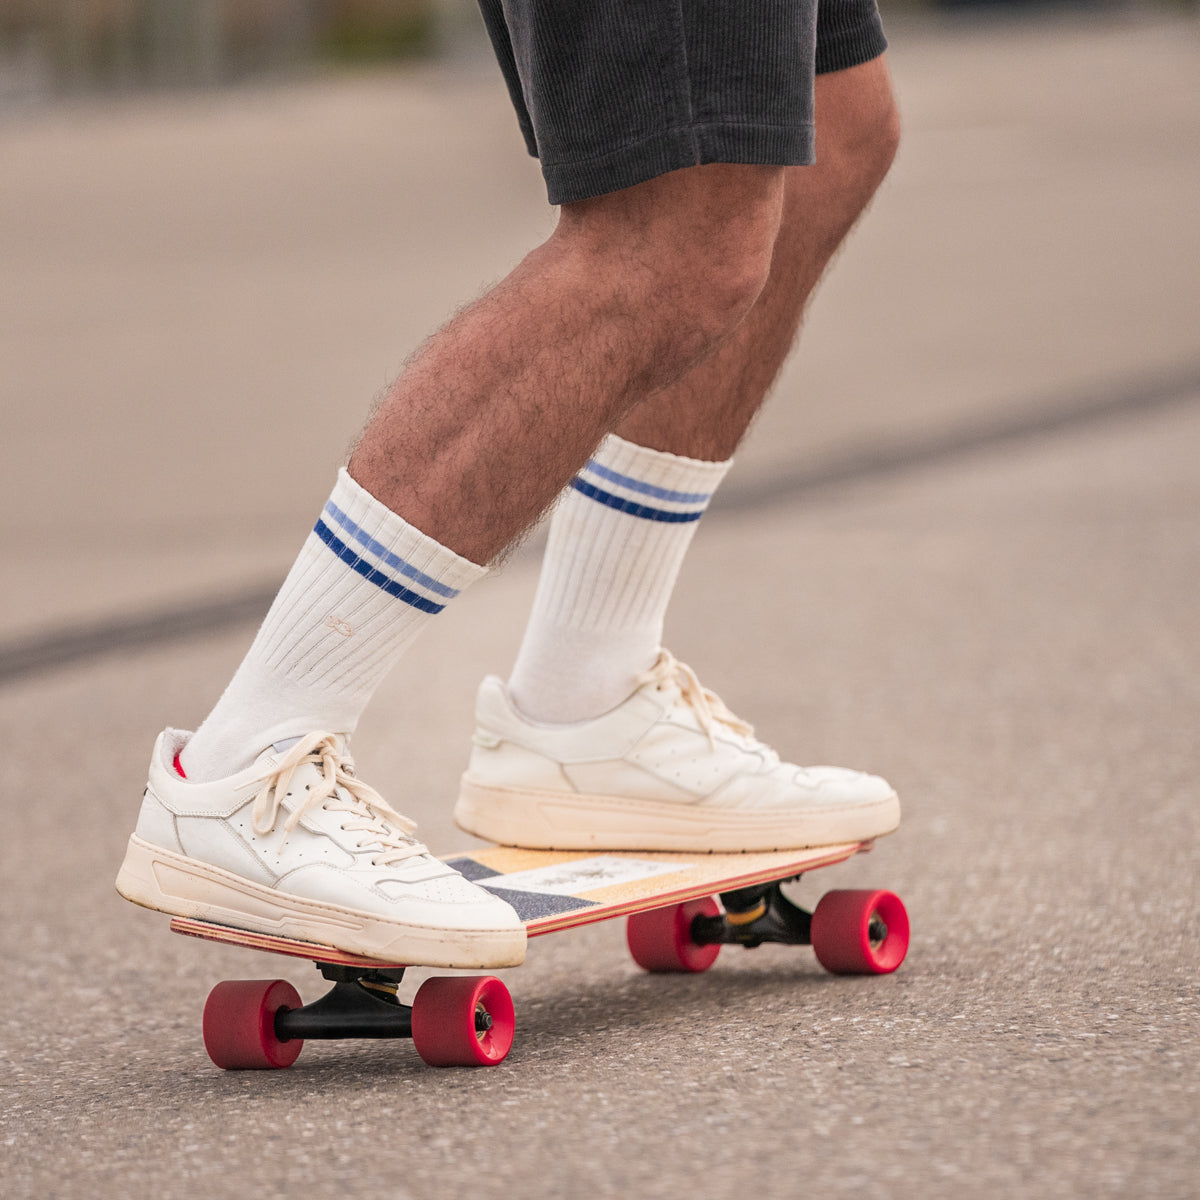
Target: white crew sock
point(365, 584)
point(617, 540)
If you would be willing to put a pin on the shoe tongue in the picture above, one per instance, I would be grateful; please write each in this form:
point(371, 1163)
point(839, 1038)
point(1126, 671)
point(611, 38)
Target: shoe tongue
point(284, 746)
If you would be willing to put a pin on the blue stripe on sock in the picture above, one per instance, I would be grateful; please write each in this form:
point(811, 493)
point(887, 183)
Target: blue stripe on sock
point(634, 510)
point(647, 489)
point(385, 555)
point(371, 574)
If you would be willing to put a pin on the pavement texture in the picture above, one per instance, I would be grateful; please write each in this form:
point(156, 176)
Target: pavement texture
point(961, 549)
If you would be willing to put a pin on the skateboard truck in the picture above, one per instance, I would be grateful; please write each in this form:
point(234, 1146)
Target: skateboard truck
point(361, 1004)
point(453, 1020)
point(752, 916)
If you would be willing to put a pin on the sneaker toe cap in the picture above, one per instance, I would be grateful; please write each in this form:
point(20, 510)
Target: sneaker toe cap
point(839, 785)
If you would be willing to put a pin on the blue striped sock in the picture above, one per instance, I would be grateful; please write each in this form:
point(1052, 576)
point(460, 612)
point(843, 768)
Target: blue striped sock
point(617, 540)
point(365, 584)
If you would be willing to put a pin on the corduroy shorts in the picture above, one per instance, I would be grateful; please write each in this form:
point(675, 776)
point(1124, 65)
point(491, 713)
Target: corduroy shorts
point(610, 93)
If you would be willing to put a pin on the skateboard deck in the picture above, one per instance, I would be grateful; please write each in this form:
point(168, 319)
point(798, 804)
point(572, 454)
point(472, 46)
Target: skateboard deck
point(674, 925)
point(559, 889)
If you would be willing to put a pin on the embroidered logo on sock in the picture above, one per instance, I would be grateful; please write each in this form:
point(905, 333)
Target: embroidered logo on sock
point(344, 628)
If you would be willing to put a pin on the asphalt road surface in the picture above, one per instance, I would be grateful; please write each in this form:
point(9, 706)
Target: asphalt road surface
point(962, 549)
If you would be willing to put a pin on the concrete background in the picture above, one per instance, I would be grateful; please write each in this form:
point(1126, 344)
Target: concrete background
point(970, 519)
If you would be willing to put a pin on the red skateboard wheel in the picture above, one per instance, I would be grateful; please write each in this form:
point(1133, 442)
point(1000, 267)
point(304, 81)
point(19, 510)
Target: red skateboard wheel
point(239, 1024)
point(661, 939)
point(860, 932)
point(447, 1014)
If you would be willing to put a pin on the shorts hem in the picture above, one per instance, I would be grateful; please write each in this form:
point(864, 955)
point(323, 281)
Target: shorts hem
point(673, 150)
point(850, 47)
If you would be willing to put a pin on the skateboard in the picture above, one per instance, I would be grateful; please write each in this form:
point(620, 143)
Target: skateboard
point(673, 924)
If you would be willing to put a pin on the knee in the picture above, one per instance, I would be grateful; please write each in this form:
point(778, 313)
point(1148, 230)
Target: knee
point(875, 140)
point(716, 278)
point(696, 244)
point(860, 141)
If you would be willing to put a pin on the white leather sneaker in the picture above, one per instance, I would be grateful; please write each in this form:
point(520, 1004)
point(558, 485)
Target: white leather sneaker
point(669, 769)
point(297, 846)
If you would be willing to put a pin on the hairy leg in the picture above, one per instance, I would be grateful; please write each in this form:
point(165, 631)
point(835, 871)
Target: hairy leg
point(498, 410)
point(705, 413)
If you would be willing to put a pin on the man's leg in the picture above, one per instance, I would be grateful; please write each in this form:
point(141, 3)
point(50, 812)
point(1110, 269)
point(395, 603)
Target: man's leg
point(640, 735)
point(598, 617)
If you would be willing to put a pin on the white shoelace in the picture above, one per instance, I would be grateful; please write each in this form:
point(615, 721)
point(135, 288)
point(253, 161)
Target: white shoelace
point(709, 708)
point(339, 791)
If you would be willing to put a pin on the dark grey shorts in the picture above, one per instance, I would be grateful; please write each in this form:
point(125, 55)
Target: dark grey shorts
point(610, 93)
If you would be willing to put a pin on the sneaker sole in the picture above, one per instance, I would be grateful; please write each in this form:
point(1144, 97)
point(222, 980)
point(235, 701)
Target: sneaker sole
point(561, 821)
point(172, 883)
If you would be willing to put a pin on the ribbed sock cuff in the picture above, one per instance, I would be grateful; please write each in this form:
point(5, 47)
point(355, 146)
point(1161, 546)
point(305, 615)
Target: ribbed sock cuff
point(651, 484)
